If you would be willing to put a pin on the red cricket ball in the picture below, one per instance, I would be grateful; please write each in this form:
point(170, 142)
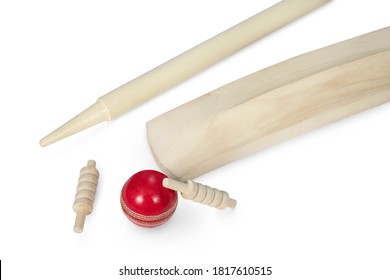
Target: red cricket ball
point(145, 201)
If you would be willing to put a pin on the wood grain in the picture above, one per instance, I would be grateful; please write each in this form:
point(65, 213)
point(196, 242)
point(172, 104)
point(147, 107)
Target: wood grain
point(273, 105)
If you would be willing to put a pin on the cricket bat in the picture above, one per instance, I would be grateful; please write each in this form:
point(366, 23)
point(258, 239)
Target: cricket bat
point(272, 105)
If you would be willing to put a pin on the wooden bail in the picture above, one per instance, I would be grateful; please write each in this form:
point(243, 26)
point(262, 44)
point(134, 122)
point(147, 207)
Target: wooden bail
point(201, 193)
point(85, 195)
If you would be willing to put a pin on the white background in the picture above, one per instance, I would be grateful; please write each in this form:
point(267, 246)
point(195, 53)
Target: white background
point(315, 207)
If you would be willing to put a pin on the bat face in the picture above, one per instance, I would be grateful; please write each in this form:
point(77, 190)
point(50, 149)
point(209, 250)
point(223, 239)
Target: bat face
point(249, 115)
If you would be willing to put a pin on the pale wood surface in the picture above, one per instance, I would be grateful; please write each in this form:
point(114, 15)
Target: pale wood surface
point(184, 66)
point(273, 105)
point(85, 195)
point(201, 193)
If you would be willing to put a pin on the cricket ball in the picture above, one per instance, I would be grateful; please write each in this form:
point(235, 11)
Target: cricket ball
point(145, 201)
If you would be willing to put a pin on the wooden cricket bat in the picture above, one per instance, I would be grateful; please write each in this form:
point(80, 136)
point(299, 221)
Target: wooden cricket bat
point(273, 105)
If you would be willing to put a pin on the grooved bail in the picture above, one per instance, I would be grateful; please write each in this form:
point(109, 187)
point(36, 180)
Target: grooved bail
point(201, 193)
point(85, 194)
